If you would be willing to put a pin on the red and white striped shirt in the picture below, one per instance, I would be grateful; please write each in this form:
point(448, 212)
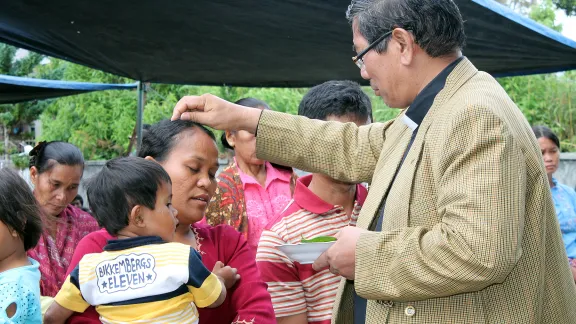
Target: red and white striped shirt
point(296, 288)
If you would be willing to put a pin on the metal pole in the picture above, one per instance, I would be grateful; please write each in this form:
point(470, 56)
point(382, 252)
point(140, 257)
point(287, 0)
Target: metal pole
point(6, 145)
point(139, 114)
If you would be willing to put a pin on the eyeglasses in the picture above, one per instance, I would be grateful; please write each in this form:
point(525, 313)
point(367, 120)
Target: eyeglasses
point(358, 58)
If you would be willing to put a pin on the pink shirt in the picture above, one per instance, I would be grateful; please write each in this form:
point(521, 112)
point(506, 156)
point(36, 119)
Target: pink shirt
point(263, 203)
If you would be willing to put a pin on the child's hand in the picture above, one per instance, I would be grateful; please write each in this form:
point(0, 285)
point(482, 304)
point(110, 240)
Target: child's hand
point(229, 275)
point(57, 314)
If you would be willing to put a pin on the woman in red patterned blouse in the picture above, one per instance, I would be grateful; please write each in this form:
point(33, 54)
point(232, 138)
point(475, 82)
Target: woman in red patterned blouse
point(55, 170)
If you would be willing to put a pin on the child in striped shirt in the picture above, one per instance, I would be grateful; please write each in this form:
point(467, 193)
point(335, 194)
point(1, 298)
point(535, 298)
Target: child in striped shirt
point(321, 206)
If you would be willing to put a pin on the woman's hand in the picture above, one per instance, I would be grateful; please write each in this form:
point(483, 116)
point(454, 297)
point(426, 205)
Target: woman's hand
point(228, 274)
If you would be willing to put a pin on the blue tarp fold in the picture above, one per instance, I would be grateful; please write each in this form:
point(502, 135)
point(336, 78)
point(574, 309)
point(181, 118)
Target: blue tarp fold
point(17, 89)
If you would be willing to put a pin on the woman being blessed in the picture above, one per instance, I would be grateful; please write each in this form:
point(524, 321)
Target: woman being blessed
point(189, 154)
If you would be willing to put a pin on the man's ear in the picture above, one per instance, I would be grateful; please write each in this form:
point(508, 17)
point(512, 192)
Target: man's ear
point(405, 42)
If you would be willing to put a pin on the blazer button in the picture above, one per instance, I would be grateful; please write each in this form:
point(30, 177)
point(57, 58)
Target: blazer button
point(410, 311)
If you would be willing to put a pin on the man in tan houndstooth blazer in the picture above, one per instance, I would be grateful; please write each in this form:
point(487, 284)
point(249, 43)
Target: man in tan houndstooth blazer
point(459, 224)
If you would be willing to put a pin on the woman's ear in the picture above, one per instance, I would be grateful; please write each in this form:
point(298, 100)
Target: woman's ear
point(136, 217)
point(34, 175)
point(149, 158)
point(231, 138)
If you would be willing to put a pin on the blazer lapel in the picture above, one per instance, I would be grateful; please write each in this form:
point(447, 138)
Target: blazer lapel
point(392, 152)
point(344, 312)
point(396, 213)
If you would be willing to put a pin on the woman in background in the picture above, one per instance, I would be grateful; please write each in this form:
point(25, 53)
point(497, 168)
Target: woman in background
point(564, 196)
point(250, 191)
point(55, 170)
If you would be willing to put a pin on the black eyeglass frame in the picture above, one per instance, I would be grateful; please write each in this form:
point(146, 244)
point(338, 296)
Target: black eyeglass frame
point(358, 58)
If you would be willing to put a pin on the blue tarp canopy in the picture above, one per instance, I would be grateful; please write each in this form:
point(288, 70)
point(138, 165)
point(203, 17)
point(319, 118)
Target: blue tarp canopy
point(287, 43)
point(505, 43)
point(17, 89)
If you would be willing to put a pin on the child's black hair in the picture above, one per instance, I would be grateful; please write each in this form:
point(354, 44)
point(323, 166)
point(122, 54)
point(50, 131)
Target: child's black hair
point(122, 184)
point(336, 98)
point(19, 209)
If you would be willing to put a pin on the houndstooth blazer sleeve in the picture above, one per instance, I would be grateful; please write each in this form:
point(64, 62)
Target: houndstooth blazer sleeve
point(344, 152)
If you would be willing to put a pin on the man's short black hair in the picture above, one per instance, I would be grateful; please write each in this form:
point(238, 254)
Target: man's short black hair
point(336, 98)
point(437, 25)
point(122, 184)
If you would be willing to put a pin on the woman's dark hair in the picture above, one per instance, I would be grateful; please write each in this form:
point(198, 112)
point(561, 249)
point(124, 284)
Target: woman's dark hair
point(543, 131)
point(80, 199)
point(46, 154)
point(246, 102)
point(159, 139)
point(19, 209)
point(122, 184)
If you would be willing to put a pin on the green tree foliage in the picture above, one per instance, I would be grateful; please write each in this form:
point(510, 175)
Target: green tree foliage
point(162, 98)
point(14, 116)
point(518, 5)
point(524, 6)
point(99, 123)
point(544, 14)
point(17, 114)
point(547, 99)
point(569, 6)
point(20, 161)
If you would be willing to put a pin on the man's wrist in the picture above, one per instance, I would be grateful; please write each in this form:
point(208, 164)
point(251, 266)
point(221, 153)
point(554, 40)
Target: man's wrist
point(249, 119)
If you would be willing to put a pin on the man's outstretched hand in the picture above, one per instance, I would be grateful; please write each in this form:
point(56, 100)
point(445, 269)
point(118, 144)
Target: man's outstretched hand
point(217, 113)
